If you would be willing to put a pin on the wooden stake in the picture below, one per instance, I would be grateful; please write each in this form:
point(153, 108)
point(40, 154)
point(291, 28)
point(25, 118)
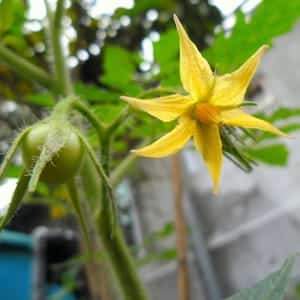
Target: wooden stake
point(181, 241)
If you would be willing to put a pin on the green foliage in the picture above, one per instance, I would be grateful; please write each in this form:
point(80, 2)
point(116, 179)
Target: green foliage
point(9, 10)
point(119, 70)
point(166, 53)
point(275, 154)
point(95, 94)
point(43, 99)
point(283, 113)
point(272, 287)
point(271, 19)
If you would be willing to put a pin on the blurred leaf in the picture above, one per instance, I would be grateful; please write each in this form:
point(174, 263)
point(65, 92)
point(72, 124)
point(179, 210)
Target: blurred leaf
point(166, 52)
point(120, 70)
point(282, 113)
point(271, 288)
point(286, 129)
point(107, 113)
point(271, 19)
point(42, 99)
point(13, 171)
point(166, 49)
point(164, 255)
point(95, 94)
point(276, 154)
point(7, 14)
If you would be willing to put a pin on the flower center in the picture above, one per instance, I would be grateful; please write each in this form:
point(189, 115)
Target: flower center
point(207, 113)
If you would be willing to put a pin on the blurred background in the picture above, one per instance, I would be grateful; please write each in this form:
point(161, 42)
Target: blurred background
point(123, 47)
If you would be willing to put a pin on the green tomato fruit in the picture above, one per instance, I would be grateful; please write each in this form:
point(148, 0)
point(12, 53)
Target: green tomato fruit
point(65, 162)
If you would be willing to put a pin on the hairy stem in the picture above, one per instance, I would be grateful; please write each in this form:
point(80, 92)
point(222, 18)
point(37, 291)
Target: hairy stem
point(62, 74)
point(116, 249)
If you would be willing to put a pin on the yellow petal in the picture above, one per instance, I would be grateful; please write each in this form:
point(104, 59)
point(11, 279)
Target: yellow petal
point(230, 89)
point(237, 117)
point(195, 72)
point(170, 143)
point(208, 142)
point(165, 108)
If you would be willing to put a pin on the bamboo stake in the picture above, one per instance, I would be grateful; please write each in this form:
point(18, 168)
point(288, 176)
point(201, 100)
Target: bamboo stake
point(181, 241)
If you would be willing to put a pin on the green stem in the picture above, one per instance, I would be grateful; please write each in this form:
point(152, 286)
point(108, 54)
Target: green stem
point(25, 68)
point(116, 248)
point(62, 74)
point(121, 261)
point(86, 112)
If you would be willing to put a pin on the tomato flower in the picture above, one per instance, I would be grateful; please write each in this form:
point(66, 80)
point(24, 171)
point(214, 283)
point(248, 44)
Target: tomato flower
point(212, 101)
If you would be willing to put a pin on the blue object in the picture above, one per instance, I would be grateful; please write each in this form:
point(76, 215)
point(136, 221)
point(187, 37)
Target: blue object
point(16, 269)
point(15, 266)
point(57, 292)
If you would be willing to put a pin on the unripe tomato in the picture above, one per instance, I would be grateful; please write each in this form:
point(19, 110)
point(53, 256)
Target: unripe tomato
point(65, 162)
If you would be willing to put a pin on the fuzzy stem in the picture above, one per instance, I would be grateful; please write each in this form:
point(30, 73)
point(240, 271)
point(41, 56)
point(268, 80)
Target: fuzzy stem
point(62, 74)
point(89, 115)
point(121, 260)
point(116, 248)
point(25, 68)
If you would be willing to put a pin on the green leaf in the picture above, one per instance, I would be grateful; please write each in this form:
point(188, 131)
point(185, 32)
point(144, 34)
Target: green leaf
point(271, 288)
point(107, 113)
point(286, 129)
point(276, 154)
point(168, 254)
point(283, 113)
point(120, 67)
point(13, 171)
point(42, 99)
point(7, 14)
point(166, 52)
point(271, 19)
point(93, 93)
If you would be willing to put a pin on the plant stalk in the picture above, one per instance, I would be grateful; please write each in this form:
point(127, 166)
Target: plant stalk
point(116, 249)
point(61, 71)
point(26, 69)
point(115, 246)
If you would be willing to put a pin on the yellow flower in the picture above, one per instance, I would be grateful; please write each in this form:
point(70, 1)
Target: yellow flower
point(212, 101)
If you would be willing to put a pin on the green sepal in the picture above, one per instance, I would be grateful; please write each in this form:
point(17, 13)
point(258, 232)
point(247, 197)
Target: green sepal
point(18, 195)
point(12, 150)
point(54, 142)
